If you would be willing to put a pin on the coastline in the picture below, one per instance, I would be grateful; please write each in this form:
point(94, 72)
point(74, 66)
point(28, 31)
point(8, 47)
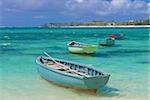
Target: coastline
point(122, 26)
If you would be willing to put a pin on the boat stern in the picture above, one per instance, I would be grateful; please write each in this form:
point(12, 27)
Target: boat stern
point(96, 82)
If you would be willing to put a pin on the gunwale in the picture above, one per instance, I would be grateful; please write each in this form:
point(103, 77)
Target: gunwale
point(102, 73)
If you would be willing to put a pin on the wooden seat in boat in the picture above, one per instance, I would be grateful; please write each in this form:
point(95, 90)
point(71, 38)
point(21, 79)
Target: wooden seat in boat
point(62, 68)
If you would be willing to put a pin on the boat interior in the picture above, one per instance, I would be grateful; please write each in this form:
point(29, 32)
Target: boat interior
point(70, 67)
point(74, 43)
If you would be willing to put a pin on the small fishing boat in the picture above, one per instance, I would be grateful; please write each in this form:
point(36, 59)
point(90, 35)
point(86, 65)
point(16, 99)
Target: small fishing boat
point(109, 42)
point(71, 74)
point(81, 48)
point(117, 36)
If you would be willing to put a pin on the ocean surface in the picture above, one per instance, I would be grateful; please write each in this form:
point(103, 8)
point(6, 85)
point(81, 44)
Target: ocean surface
point(127, 62)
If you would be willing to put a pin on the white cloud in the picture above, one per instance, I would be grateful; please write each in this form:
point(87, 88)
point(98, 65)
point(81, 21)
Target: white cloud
point(105, 7)
point(138, 4)
point(148, 9)
point(120, 3)
point(79, 7)
point(79, 1)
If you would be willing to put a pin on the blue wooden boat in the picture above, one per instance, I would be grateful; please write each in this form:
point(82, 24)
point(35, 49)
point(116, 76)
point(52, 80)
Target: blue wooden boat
point(71, 74)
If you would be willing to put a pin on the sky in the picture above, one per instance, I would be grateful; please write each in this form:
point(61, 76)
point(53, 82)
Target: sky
point(39, 12)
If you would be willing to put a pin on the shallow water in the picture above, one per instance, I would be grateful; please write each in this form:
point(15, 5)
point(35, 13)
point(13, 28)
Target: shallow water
point(127, 62)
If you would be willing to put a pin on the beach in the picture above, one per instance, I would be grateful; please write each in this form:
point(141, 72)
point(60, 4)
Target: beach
point(127, 62)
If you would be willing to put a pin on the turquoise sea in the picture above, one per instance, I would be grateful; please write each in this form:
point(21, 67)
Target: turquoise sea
point(127, 62)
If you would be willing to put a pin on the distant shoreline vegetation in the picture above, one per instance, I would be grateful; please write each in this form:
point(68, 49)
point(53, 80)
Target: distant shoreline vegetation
point(91, 24)
point(100, 23)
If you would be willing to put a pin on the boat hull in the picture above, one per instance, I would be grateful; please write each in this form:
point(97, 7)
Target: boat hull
point(61, 79)
point(72, 81)
point(83, 50)
point(110, 42)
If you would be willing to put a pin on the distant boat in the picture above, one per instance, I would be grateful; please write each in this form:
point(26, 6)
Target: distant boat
point(117, 36)
point(71, 74)
point(109, 42)
point(81, 48)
